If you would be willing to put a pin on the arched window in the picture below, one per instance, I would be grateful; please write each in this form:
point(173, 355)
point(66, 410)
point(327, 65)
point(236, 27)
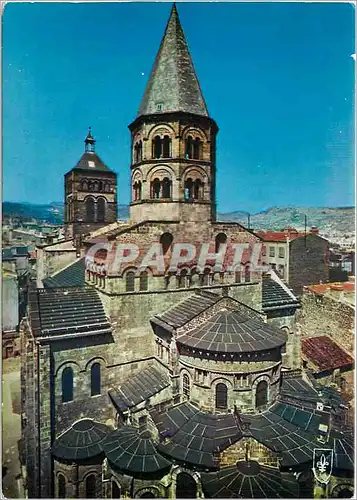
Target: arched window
point(238, 276)
point(90, 486)
point(143, 281)
point(138, 149)
point(130, 281)
point(101, 210)
point(166, 240)
point(188, 148)
point(189, 189)
point(96, 186)
point(186, 388)
point(247, 273)
point(196, 149)
point(221, 239)
point(95, 379)
point(116, 493)
point(261, 394)
point(186, 486)
point(182, 282)
point(100, 186)
point(84, 185)
point(157, 147)
point(166, 147)
point(155, 188)
point(61, 486)
point(198, 189)
point(90, 210)
point(206, 274)
point(221, 396)
point(107, 187)
point(137, 190)
point(166, 188)
point(67, 385)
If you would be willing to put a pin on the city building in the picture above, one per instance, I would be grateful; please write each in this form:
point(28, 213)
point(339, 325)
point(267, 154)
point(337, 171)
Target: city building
point(150, 384)
point(299, 258)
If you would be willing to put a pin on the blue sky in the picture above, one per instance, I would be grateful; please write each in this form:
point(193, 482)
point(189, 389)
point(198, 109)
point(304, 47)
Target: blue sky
point(278, 79)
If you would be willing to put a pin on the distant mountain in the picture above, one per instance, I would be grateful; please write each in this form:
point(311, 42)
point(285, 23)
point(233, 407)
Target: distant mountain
point(328, 220)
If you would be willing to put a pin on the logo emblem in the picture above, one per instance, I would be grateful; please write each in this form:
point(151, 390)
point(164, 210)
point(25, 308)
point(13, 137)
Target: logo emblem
point(322, 464)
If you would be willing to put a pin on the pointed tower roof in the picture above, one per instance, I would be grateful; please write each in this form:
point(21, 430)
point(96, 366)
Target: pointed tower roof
point(173, 84)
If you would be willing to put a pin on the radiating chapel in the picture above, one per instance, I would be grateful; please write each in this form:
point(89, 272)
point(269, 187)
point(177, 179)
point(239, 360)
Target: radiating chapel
point(151, 384)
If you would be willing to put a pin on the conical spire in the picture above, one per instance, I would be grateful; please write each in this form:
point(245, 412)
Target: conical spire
point(173, 84)
point(89, 141)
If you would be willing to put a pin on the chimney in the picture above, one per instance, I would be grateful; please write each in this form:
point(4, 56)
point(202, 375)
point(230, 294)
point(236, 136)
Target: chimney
point(314, 230)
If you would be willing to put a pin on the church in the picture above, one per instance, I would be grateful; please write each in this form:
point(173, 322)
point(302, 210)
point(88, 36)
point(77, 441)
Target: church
point(147, 383)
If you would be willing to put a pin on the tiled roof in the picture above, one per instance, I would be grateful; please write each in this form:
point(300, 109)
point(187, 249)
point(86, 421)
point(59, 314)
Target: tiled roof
point(133, 451)
point(90, 161)
point(72, 276)
point(274, 295)
point(173, 81)
point(277, 236)
point(324, 353)
point(322, 288)
point(72, 311)
point(249, 480)
point(195, 435)
point(233, 332)
point(188, 309)
point(139, 387)
point(81, 441)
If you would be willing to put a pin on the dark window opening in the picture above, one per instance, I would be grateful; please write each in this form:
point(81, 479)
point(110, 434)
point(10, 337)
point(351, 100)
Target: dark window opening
point(206, 274)
point(198, 190)
point(90, 486)
point(157, 147)
point(101, 210)
point(84, 186)
point(61, 486)
point(166, 240)
point(221, 396)
point(196, 153)
point(90, 211)
point(221, 239)
point(186, 385)
point(130, 281)
point(189, 189)
point(95, 379)
point(247, 273)
point(166, 188)
point(67, 385)
point(188, 148)
point(237, 276)
point(138, 151)
point(116, 493)
point(261, 394)
point(137, 190)
point(166, 147)
point(147, 494)
point(143, 281)
point(155, 188)
point(186, 486)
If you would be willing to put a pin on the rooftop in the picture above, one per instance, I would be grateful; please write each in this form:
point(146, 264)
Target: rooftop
point(324, 353)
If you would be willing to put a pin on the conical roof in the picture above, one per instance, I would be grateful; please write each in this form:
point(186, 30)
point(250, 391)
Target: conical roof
point(173, 84)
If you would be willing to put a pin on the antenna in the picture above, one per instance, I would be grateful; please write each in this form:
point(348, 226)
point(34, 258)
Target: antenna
point(305, 217)
point(248, 221)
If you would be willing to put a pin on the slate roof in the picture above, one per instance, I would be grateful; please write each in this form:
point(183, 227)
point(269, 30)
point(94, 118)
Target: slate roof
point(134, 452)
point(195, 435)
point(71, 276)
point(325, 354)
point(139, 387)
point(274, 295)
point(71, 311)
point(187, 309)
point(90, 161)
point(81, 441)
point(173, 82)
point(233, 332)
point(7, 254)
point(249, 479)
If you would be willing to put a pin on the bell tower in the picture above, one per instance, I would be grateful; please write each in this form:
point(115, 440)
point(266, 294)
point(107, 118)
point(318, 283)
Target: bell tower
point(90, 193)
point(173, 166)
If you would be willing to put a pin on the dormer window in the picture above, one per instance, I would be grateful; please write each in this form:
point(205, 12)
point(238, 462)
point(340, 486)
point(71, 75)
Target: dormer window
point(91, 164)
point(159, 107)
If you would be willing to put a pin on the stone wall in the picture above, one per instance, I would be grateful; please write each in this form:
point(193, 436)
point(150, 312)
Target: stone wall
point(323, 315)
point(250, 448)
point(285, 319)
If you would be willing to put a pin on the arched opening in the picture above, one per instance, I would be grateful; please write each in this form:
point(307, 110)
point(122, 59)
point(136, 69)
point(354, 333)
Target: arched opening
point(157, 147)
point(345, 493)
point(166, 240)
point(101, 210)
point(166, 188)
point(247, 273)
point(261, 394)
point(189, 189)
point(194, 278)
point(196, 149)
point(96, 186)
point(90, 486)
point(95, 379)
point(188, 147)
point(186, 386)
point(67, 385)
point(237, 276)
point(130, 281)
point(198, 189)
point(84, 185)
point(155, 188)
point(221, 239)
point(137, 190)
point(61, 486)
point(100, 186)
point(206, 275)
point(138, 151)
point(166, 147)
point(107, 187)
point(90, 211)
point(186, 486)
point(143, 281)
point(116, 492)
point(182, 281)
point(221, 396)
